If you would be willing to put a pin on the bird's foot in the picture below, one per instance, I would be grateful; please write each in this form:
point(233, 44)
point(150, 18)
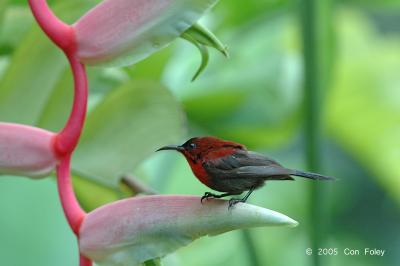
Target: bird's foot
point(233, 202)
point(208, 195)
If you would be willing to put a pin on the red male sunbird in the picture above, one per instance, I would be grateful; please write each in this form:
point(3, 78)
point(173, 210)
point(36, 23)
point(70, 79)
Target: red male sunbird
point(229, 167)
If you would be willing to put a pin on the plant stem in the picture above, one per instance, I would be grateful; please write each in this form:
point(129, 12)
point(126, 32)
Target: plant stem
point(65, 142)
point(72, 210)
point(60, 33)
point(63, 36)
point(136, 186)
point(68, 138)
point(250, 247)
point(315, 16)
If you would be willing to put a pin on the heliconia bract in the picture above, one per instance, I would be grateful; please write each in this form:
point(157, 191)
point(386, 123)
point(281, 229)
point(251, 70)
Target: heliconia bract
point(122, 32)
point(26, 151)
point(131, 231)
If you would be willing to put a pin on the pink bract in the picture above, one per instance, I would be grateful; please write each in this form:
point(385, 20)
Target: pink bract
point(26, 151)
point(125, 31)
point(131, 231)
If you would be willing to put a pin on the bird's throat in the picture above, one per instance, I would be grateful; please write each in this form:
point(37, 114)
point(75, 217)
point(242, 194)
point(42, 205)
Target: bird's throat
point(199, 171)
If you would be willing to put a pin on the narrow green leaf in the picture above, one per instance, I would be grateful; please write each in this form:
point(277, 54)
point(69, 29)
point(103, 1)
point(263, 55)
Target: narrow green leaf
point(201, 37)
point(204, 36)
point(203, 51)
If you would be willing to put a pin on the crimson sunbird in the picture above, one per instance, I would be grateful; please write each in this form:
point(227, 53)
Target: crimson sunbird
point(228, 167)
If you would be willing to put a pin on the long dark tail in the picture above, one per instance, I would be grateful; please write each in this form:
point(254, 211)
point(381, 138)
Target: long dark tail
point(311, 175)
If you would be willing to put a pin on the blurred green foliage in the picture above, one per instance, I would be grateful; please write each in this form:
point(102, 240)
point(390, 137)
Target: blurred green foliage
point(254, 98)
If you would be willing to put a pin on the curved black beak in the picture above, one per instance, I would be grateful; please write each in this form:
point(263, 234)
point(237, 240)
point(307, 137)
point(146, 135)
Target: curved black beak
point(171, 147)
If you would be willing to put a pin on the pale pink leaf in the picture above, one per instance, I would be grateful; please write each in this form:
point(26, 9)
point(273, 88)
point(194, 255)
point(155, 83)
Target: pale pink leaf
point(26, 151)
point(122, 32)
point(131, 231)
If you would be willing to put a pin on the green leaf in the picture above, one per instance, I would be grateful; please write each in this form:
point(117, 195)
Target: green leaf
point(92, 195)
point(153, 67)
point(204, 36)
point(33, 72)
point(201, 37)
point(58, 105)
point(129, 125)
point(26, 84)
point(56, 110)
point(203, 51)
point(17, 22)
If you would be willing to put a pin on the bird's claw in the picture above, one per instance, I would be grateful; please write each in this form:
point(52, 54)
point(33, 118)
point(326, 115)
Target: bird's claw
point(206, 196)
point(233, 202)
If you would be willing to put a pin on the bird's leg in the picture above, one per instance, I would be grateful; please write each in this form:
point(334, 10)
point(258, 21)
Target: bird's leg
point(233, 202)
point(208, 195)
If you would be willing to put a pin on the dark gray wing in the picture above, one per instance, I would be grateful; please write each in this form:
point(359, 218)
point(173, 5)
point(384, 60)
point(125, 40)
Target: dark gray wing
point(246, 164)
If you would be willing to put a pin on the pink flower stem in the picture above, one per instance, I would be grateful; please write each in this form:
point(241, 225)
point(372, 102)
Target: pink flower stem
point(60, 33)
point(64, 37)
point(72, 210)
point(84, 261)
point(68, 138)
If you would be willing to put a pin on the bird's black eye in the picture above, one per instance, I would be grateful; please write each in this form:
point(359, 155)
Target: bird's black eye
point(192, 145)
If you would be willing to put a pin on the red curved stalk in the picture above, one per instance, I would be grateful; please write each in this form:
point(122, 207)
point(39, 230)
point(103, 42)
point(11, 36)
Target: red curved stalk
point(84, 261)
point(68, 138)
point(63, 36)
point(59, 32)
point(72, 210)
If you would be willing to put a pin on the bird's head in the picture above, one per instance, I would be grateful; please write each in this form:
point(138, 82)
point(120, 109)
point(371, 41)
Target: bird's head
point(195, 148)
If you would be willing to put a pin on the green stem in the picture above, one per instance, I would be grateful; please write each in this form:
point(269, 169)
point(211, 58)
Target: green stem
point(315, 15)
point(250, 248)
